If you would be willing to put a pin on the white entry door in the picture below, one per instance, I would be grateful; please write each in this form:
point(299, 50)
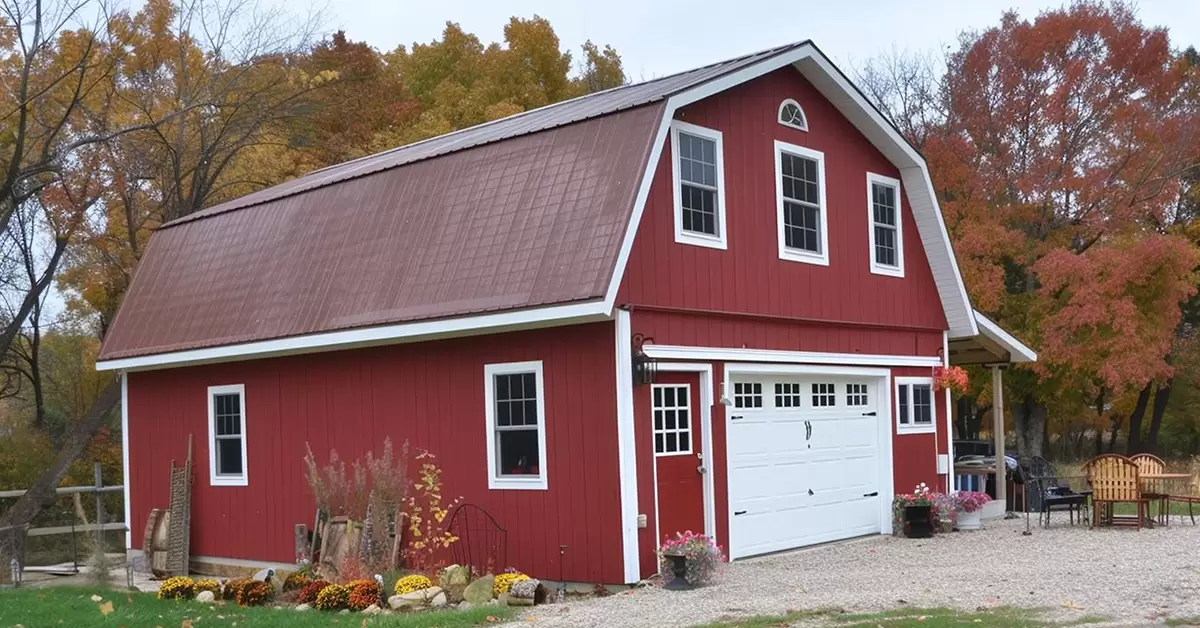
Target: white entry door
point(804, 461)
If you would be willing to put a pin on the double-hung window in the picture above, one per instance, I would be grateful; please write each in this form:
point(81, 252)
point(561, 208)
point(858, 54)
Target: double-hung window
point(699, 182)
point(915, 408)
point(227, 436)
point(883, 212)
point(516, 425)
point(800, 201)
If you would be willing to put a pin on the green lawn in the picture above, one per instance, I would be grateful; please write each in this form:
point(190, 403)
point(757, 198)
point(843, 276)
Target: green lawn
point(902, 618)
point(60, 607)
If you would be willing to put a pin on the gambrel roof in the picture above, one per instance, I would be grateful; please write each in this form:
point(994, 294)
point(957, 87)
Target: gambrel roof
point(522, 221)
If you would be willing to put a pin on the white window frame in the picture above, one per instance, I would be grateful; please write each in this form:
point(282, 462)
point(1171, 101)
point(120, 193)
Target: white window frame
point(785, 252)
point(877, 268)
point(719, 241)
point(496, 481)
point(655, 408)
point(214, 479)
point(912, 427)
point(803, 115)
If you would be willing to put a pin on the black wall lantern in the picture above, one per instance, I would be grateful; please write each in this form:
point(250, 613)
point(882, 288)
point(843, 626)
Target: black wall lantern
point(644, 369)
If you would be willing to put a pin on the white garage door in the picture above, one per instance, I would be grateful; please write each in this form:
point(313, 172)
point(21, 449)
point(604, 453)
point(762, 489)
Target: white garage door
point(804, 461)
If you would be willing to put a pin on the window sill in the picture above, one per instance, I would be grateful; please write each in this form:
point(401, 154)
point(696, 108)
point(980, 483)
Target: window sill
point(517, 483)
point(916, 429)
point(804, 257)
point(697, 239)
point(228, 481)
point(887, 271)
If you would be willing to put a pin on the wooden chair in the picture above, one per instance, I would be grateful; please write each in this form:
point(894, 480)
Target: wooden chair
point(1192, 495)
point(1153, 490)
point(1114, 480)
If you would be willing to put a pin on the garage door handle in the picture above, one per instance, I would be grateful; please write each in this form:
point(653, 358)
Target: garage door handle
point(739, 512)
point(868, 414)
point(875, 494)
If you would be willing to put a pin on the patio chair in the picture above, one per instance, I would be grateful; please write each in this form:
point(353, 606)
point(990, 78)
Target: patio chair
point(1153, 490)
point(1051, 494)
point(1191, 496)
point(1114, 480)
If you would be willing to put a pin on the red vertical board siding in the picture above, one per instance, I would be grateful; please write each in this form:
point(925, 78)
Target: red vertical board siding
point(429, 394)
point(749, 277)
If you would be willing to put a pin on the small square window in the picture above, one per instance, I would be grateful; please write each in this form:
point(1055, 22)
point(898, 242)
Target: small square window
point(824, 395)
point(856, 394)
point(915, 408)
point(672, 413)
point(787, 395)
point(747, 395)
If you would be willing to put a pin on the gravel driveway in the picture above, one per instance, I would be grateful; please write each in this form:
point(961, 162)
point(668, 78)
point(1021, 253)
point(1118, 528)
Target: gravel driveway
point(1124, 575)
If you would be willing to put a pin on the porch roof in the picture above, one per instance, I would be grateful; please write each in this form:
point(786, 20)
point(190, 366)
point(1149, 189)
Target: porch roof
point(992, 345)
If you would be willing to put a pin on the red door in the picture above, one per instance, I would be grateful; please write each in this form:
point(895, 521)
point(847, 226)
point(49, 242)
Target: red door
point(675, 410)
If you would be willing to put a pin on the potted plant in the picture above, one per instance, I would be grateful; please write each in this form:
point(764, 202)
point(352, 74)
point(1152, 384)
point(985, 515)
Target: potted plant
point(689, 560)
point(970, 506)
point(912, 513)
point(946, 509)
point(952, 378)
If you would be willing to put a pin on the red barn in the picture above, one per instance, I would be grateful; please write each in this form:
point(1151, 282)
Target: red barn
point(712, 301)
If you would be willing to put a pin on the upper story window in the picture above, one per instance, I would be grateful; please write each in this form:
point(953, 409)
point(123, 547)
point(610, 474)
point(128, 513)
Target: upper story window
point(883, 209)
point(791, 114)
point(915, 409)
point(800, 199)
point(516, 438)
point(227, 436)
point(699, 183)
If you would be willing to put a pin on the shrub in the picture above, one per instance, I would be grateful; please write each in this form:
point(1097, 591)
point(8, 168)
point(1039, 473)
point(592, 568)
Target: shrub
point(255, 593)
point(704, 557)
point(415, 582)
point(333, 597)
point(426, 516)
point(177, 588)
point(308, 594)
point(295, 581)
point(363, 593)
point(232, 587)
point(505, 581)
point(208, 584)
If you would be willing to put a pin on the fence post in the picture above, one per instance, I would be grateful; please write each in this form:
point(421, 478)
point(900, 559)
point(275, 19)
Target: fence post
point(98, 472)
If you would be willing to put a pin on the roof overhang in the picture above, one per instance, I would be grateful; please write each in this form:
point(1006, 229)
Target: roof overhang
point(992, 345)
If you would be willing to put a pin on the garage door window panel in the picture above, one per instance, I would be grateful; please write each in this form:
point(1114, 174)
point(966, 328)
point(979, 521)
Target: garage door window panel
point(747, 395)
point(916, 411)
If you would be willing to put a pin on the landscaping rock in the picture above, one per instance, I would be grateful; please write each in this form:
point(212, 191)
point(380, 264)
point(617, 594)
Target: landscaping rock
point(372, 610)
point(398, 603)
point(344, 611)
point(206, 596)
point(264, 575)
point(422, 596)
point(439, 600)
point(502, 600)
point(525, 589)
point(480, 591)
point(454, 580)
point(520, 601)
point(465, 606)
point(303, 607)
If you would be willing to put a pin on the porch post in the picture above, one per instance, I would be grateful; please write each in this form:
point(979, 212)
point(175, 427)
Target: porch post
point(998, 432)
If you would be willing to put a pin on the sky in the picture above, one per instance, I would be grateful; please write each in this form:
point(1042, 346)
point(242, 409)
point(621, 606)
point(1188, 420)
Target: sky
point(660, 37)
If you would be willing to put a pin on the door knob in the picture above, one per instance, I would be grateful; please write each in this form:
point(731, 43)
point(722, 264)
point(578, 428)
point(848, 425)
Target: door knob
point(701, 470)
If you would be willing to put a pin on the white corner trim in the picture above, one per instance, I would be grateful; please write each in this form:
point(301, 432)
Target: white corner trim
point(215, 479)
point(627, 448)
point(496, 481)
point(1018, 352)
point(370, 336)
point(949, 417)
point(683, 352)
point(821, 257)
point(913, 428)
point(719, 241)
point(877, 267)
point(803, 126)
point(126, 479)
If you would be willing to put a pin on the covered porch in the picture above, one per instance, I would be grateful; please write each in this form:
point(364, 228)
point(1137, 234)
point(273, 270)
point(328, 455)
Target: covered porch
point(994, 349)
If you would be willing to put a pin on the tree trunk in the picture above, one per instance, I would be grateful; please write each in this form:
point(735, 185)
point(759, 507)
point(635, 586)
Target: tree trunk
point(1133, 444)
point(962, 409)
point(1161, 397)
point(42, 494)
point(1117, 420)
point(1030, 424)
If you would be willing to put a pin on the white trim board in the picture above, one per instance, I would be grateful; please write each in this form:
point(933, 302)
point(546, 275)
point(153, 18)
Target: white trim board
point(1018, 352)
point(126, 478)
point(370, 336)
point(683, 352)
point(627, 448)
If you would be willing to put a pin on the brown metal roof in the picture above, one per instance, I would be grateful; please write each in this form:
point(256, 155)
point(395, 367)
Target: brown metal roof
point(522, 212)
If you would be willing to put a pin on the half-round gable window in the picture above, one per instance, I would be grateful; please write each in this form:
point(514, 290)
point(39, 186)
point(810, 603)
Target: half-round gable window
point(790, 114)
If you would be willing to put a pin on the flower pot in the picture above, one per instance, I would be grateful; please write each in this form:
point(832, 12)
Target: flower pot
point(679, 570)
point(918, 522)
point(969, 520)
